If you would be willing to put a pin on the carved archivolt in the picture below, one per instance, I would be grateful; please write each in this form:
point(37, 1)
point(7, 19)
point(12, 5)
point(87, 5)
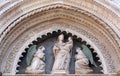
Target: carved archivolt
point(85, 22)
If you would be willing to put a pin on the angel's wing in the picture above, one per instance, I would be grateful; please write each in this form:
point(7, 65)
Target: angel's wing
point(31, 51)
point(88, 54)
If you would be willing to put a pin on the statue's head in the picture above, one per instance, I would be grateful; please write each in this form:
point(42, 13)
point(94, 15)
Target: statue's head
point(61, 37)
point(42, 48)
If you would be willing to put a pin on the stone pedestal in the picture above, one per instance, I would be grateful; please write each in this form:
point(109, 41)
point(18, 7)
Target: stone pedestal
point(84, 72)
point(34, 72)
point(59, 72)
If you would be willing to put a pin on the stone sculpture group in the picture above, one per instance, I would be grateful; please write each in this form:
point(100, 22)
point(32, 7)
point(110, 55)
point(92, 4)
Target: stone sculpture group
point(61, 51)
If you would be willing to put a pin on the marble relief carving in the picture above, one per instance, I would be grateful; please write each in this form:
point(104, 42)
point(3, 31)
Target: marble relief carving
point(37, 64)
point(82, 63)
point(62, 54)
point(109, 59)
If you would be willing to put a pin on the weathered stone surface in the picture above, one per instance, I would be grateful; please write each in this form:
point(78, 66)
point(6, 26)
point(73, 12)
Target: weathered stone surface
point(22, 21)
point(64, 75)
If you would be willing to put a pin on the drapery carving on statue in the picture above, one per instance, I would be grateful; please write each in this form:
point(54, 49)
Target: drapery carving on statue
point(61, 52)
point(37, 64)
point(82, 63)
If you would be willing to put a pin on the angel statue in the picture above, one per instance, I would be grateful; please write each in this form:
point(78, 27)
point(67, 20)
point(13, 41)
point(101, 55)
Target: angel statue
point(61, 52)
point(35, 60)
point(82, 63)
point(88, 54)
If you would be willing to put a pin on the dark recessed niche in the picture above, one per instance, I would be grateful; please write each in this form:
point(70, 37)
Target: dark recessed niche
point(48, 40)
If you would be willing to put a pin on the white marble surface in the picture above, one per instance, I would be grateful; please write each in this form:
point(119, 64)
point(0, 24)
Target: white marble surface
point(115, 2)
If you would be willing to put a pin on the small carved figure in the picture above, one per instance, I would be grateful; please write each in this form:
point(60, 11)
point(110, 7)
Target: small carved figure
point(61, 52)
point(37, 64)
point(82, 63)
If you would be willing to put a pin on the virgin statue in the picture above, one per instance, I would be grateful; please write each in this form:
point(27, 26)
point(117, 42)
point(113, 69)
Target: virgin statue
point(82, 63)
point(61, 52)
point(37, 64)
